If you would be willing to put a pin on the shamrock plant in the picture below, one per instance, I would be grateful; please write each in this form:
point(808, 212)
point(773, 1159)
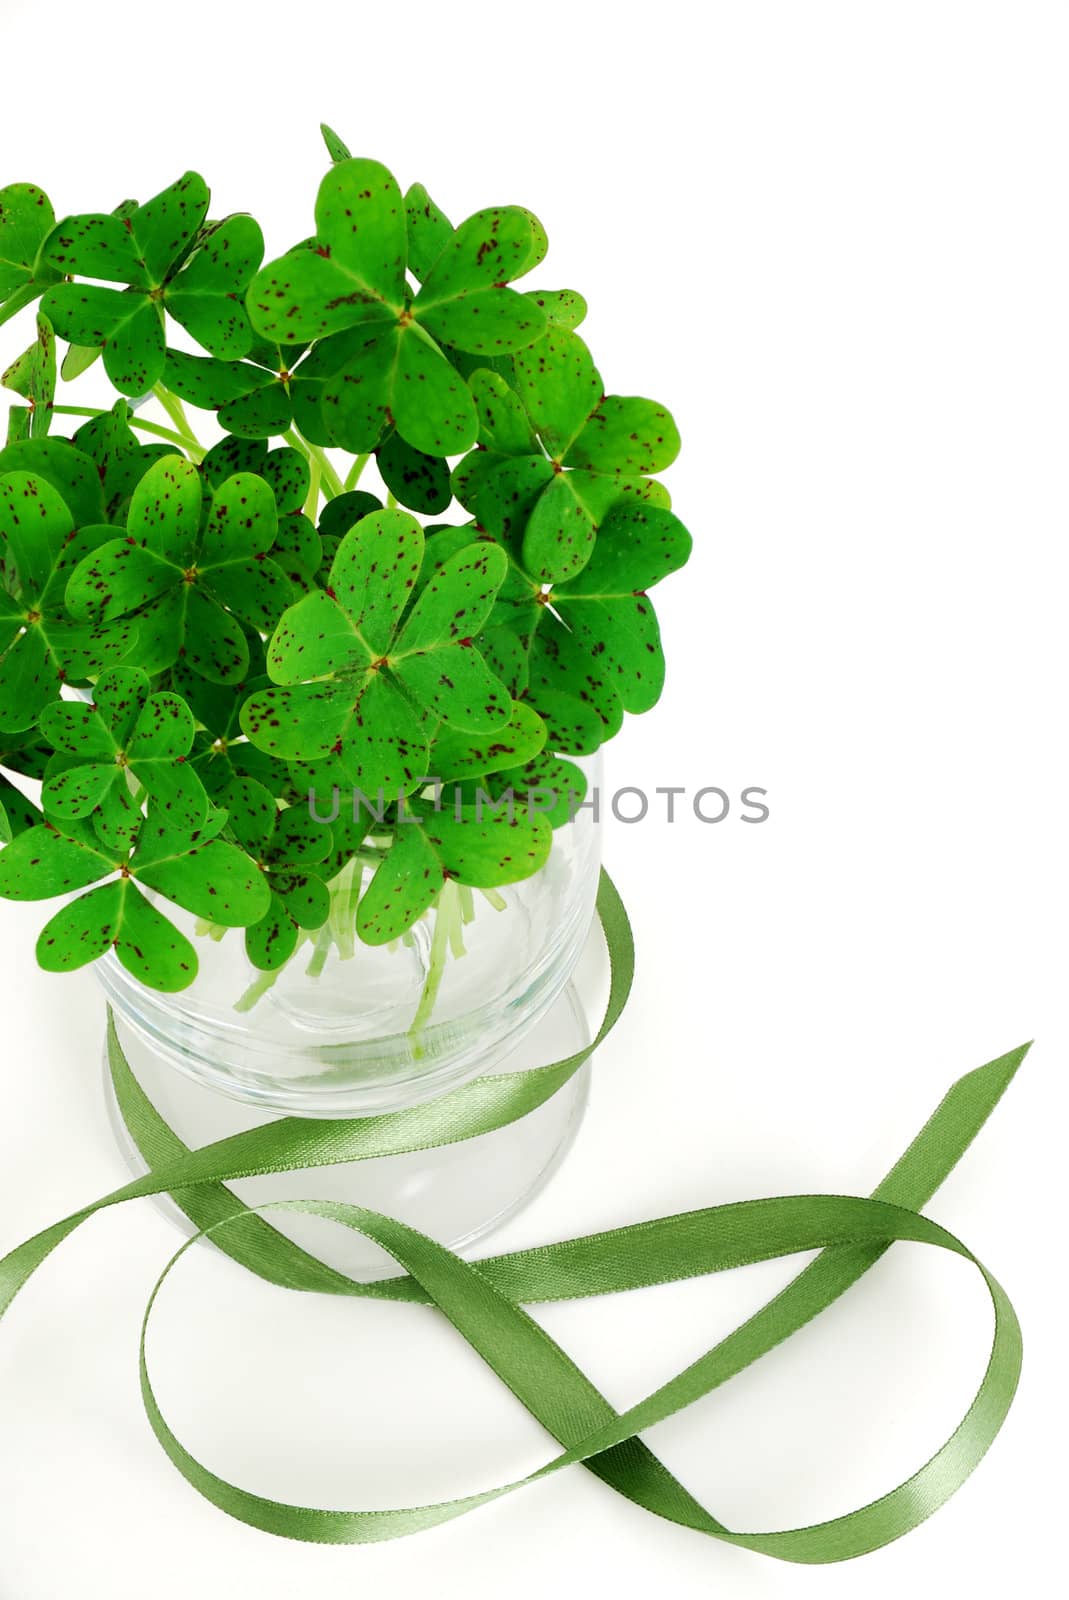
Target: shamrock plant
point(201, 639)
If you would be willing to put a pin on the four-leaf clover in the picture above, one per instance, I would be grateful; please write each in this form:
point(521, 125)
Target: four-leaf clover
point(161, 254)
point(365, 678)
point(202, 873)
point(190, 581)
point(126, 730)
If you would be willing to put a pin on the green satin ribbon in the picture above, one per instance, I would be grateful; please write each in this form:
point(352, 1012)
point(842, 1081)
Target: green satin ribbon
point(484, 1299)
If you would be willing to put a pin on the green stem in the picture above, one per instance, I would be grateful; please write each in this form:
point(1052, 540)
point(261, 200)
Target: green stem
point(256, 990)
point(135, 422)
point(311, 504)
point(445, 916)
point(352, 477)
point(324, 940)
point(332, 484)
point(177, 413)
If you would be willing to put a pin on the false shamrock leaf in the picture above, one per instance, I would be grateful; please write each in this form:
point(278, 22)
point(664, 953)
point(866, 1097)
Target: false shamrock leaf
point(352, 277)
point(462, 755)
point(69, 471)
point(264, 396)
point(33, 376)
point(125, 730)
point(167, 259)
point(362, 677)
point(607, 606)
point(337, 518)
point(26, 220)
point(190, 582)
point(40, 645)
point(559, 453)
point(480, 847)
point(120, 458)
point(288, 846)
point(198, 871)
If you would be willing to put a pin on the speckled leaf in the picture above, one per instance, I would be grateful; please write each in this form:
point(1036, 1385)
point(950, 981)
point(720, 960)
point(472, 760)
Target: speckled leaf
point(43, 862)
point(550, 776)
point(626, 435)
point(270, 942)
point(251, 815)
point(165, 226)
point(166, 509)
point(621, 632)
point(457, 685)
point(355, 402)
point(76, 788)
point(21, 813)
point(26, 220)
point(33, 376)
point(495, 320)
point(305, 896)
point(208, 295)
point(215, 880)
point(116, 580)
point(299, 841)
point(298, 550)
point(403, 888)
point(266, 413)
point(560, 533)
point(564, 308)
point(374, 573)
point(151, 948)
point(456, 602)
point(19, 419)
point(337, 149)
point(503, 424)
point(638, 545)
point(125, 322)
point(98, 245)
point(418, 481)
point(84, 929)
point(430, 847)
point(355, 271)
point(242, 521)
point(34, 526)
point(289, 474)
point(366, 723)
point(68, 470)
point(429, 231)
point(208, 383)
point(215, 643)
point(560, 387)
point(432, 405)
point(560, 665)
point(256, 590)
point(316, 638)
point(507, 496)
point(493, 246)
point(460, 755)
point(163, 730)
point(305, 295)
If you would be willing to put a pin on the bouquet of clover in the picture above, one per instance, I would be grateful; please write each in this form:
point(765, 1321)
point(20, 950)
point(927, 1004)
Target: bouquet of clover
point(194, 639)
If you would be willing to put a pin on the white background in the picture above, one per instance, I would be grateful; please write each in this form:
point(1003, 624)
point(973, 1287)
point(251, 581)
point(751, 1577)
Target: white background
point(833, 238)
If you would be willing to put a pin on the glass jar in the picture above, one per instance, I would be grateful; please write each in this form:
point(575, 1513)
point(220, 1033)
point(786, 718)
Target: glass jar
point(356, 1030)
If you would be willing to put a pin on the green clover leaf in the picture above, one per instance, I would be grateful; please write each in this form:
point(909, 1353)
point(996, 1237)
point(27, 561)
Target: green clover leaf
point(125, 730)
point(351, 279)
point(41, 646)
point(190, 582)
point(297, 549)
point(265, 395)
point(33, 376)
point(433, 845)
point(26, 220)
point(288, 846)
point(362, 675)
point(168, 259)
point(119, 456)
point(559, 453)
point(198, 871)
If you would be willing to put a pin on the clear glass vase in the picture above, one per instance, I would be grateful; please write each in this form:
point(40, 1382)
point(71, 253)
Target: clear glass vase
point(352, 1030)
